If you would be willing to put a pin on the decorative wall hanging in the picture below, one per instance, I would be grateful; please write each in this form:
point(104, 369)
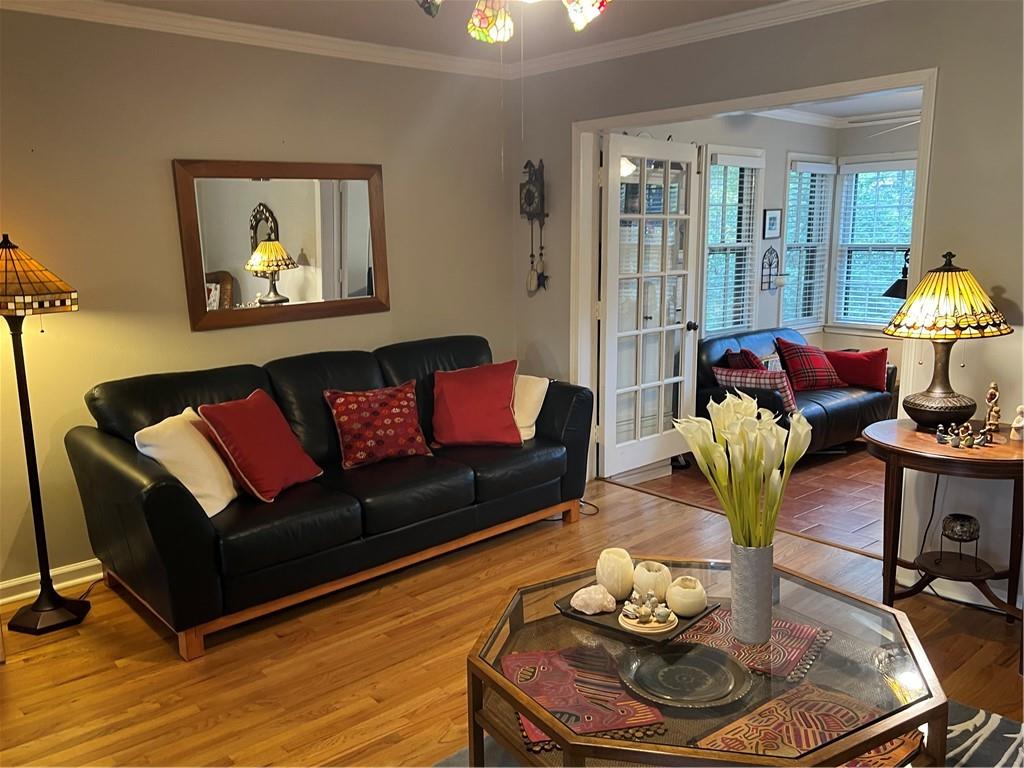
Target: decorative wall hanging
point(769, 269)
point(262, 215)
point(772, 224)
point(531, 207)
point(490, 22)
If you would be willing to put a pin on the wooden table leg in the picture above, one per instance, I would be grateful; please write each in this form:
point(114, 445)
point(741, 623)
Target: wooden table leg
point(1016, 534)
point(935, 741)
point(475, 695)
point(891, 526)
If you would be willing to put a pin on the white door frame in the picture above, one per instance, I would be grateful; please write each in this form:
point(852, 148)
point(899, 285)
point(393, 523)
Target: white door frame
point(585, 215)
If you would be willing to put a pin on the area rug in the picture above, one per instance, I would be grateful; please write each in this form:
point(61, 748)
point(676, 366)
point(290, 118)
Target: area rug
point(975, 738)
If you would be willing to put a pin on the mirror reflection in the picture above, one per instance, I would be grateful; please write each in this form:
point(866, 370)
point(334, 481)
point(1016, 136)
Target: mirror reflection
point(284, 241)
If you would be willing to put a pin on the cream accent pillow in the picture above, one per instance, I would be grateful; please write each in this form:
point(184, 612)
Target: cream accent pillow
point(530, 392)
point(188, 455)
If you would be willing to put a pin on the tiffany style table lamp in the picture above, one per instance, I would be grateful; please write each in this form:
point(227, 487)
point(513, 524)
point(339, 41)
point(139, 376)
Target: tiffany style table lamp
point(29, 288)
point(948, 305)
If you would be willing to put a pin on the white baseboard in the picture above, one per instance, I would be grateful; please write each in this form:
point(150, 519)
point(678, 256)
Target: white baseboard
point(643, 474)
point(65, 576)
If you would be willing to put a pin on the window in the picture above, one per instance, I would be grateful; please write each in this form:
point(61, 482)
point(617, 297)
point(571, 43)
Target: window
point(729, 262)
point(875, 219)
point(808, 226)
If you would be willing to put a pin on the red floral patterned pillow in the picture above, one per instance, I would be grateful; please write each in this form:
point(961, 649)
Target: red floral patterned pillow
point(377, 424)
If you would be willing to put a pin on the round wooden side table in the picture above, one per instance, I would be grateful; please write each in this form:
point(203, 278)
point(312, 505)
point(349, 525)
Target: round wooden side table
point(901, 445)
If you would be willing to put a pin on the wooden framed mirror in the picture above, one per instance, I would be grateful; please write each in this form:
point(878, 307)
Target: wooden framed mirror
point(286, 241)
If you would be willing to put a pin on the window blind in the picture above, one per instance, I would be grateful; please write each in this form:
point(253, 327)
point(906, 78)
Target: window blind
point(875, 222)
point(808, 226)
point(731, 235)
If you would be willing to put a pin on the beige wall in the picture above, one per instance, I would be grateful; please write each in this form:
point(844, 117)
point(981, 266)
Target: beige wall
point(974, 192)
point(92, 116)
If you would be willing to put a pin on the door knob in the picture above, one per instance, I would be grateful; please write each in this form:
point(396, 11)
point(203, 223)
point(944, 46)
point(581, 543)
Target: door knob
point(691, 326)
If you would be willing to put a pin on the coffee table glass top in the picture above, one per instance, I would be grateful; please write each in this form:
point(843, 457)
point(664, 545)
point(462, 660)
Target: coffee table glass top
point(836, 665)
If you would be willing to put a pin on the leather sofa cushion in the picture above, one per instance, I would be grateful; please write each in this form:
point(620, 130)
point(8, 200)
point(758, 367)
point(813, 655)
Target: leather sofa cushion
point(400, 492)
point(305, 519)
point(418, 360)
point(839, 415)
point(125, 406)
point(299, 383)
point(501, 471)
point(712, 352)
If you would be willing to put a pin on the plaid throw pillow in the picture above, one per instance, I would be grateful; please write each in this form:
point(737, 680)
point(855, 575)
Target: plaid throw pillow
point(808, 367)
point(745, 358)
point(752, 378)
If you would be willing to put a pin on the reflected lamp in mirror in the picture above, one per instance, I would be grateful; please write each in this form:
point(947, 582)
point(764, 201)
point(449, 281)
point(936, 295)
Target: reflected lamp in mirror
point(267, 260)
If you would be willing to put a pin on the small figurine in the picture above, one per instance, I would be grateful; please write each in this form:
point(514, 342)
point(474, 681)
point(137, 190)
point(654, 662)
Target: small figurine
point(1017, 427)
point(662, 614)
point(966, 435)
point(994, 411)
point(983, 438)
point(940, 435)
point(954, 437)
point(643, 614)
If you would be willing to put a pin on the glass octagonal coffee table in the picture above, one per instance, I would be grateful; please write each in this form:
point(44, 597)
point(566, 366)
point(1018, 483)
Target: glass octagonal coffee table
point(843, 679)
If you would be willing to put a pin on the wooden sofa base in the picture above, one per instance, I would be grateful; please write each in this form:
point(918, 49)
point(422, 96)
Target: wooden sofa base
point(192, 643)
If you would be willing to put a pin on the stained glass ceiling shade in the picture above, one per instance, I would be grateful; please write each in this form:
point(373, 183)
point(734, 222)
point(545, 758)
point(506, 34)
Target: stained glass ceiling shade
point(29, 288)
point(490, 22)
point(269, 256)
point(949, 304)
point(582, 12)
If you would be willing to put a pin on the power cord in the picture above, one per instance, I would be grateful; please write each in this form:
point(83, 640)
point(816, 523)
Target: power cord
point(583, 503)
point(89, 589)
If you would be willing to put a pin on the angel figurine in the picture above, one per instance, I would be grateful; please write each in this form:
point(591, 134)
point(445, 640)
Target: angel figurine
point(1017, 427)
point(940, 434)
point(994, 411)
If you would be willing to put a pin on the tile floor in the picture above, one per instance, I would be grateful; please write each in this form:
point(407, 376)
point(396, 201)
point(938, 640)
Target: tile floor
point(835, 498)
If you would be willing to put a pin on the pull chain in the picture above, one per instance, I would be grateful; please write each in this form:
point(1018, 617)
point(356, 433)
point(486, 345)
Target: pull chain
point(41, 329)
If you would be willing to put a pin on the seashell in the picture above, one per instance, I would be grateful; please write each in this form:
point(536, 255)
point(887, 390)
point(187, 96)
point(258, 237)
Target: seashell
point(593, 599)
point(662, 614)
point(643, 615)
point(615, 572)
point(649, 576)
point(629, 610)
point(686, 596)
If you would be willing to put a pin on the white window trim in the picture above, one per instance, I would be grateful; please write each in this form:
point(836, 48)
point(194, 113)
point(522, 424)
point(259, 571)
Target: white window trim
point(755, 154)
point(832, 325)
point(825, 161)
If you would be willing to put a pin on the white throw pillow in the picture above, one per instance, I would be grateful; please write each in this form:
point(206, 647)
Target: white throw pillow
point(530, 392)
point(188, 455)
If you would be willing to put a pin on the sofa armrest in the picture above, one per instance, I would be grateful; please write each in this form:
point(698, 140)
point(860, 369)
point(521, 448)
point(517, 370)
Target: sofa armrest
point(766, 398)
point(566, 416)
point(890, 377)
point(145, 526)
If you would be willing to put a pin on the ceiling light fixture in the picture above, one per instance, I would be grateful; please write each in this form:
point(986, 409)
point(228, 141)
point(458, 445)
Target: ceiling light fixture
point(430, 7)
point(582, 12)
point(490, 22)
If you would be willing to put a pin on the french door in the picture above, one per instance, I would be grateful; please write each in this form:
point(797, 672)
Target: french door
point(648, 347)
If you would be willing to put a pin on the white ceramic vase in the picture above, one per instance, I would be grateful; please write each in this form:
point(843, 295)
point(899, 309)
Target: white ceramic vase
point(752, 593)
point(615, 572)
point(686, 596)
point(649, 576)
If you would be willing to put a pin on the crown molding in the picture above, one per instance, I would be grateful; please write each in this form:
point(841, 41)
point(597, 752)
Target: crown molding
point(785, 12)
point(797, 115)
point(172, 22)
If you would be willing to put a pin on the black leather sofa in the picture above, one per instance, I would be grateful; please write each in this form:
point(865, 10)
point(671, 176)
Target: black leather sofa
point(200, 574)
point(836, 416)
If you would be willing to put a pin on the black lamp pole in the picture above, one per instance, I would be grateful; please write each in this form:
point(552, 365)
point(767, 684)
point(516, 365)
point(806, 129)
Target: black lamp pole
point(50, 611)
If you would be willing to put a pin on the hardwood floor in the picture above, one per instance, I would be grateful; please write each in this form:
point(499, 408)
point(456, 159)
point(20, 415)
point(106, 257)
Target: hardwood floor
point(375, 675)
point(833, 498)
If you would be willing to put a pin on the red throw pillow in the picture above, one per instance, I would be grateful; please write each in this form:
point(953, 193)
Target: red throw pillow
point(377, 424)
point(473, 406)
point(744, 359)
point(259, 447)
point(861, 369)
point(751, 378)
point(807, 366)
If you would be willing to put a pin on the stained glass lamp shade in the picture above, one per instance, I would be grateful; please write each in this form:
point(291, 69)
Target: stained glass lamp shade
point(948, 305)
point(29, 288)
point(582, 12)
point(490, 22)
point(267, 260)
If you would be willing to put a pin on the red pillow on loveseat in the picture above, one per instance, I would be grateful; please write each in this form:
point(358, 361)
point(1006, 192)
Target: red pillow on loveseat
point(807, 366)
point(861, 369)
point(473, 406)
point(258, 446)
point(377, 424)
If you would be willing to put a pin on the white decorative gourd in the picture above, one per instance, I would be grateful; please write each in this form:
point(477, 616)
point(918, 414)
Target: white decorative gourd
point(615, 572)
point(650, 576)
point(686, 596)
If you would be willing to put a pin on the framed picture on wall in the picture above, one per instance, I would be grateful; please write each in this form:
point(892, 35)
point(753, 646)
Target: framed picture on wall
point(772, 224)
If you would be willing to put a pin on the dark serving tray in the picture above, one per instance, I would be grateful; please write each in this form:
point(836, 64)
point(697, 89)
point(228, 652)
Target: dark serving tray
point(610, 621)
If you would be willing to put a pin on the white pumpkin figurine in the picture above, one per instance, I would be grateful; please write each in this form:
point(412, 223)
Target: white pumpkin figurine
point(615, 572)
point(686, 596)
point(649, 576)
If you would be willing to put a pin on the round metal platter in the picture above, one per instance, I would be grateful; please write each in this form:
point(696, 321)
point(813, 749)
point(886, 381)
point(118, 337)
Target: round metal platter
point(685, 675)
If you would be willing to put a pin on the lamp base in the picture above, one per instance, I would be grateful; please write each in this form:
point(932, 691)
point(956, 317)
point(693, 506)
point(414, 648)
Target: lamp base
point(48, 613)
point(930, 410)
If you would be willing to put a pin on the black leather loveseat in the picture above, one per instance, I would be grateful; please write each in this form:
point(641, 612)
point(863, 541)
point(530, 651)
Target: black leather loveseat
point(836, 416)
point(201, 574)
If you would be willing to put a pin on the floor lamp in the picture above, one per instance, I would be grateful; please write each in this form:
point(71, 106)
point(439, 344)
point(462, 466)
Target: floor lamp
point(29, 288)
